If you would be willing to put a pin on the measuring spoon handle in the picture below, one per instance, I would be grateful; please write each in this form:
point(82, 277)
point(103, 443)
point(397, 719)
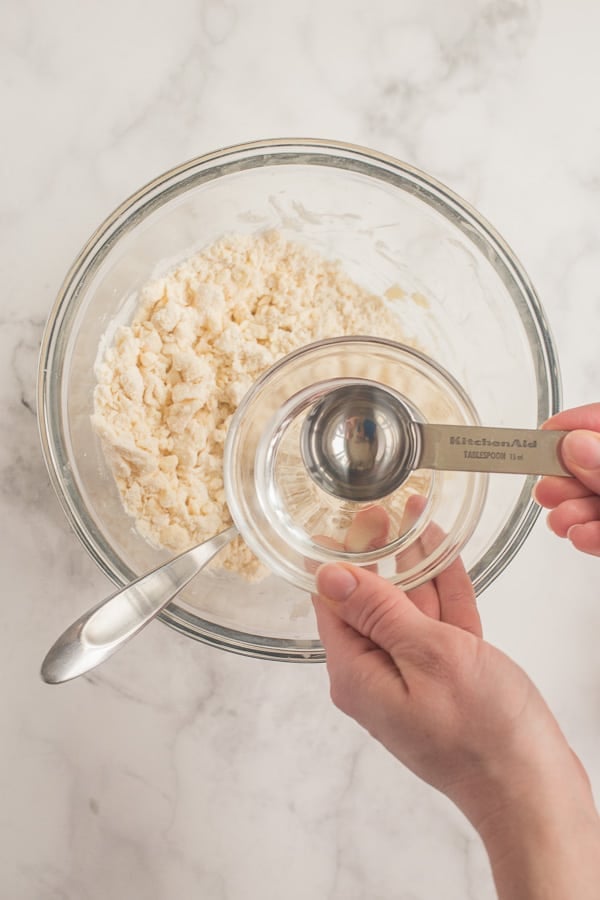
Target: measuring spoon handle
point(473, 448)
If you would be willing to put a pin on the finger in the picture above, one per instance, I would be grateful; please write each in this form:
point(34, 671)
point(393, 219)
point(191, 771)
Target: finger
point(415, 506)
point(574, 512)
point(365, 682)
point(353, 660)
point(338, 638)
point(458, 604)
point(552, 490)
point(586, 538)
point(368, 530)
point(424, 597)
point(580, 451)
point(587, 416)
point(454, 588)
point(376, 609)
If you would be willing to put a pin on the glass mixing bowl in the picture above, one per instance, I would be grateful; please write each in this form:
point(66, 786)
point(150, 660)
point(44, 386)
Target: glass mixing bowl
point(459, 291)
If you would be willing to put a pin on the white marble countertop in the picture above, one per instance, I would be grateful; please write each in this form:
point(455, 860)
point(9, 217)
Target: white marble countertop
point(176, 770)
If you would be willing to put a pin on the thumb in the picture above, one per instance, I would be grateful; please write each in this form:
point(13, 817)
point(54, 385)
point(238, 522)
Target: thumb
point(580, 451)
point(376, 609)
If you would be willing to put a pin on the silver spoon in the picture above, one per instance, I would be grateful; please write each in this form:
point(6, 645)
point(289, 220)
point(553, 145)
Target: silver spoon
point(361, 442)
point(103, 630)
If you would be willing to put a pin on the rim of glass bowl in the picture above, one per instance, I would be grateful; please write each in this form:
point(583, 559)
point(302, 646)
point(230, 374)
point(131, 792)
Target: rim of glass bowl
point(202, 169)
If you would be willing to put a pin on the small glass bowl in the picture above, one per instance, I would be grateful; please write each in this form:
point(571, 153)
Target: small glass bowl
point(290, 522)
point(458, 290)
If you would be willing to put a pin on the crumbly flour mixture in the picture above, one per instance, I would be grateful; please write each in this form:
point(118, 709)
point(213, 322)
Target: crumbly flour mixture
point(169, 384)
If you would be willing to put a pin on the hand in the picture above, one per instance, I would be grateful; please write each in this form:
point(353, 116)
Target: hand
point(575, 502)
point(413, 669)
point(415, 672)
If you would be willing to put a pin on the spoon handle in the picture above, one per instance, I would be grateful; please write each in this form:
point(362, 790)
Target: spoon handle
point(471, 448)
point(102, 630)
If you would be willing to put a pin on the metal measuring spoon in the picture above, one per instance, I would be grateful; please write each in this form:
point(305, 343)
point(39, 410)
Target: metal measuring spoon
point(103, 630)
point(362, 441)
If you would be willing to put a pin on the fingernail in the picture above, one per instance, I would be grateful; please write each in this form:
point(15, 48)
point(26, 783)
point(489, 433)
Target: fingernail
point(572, 532)
point(335, 582)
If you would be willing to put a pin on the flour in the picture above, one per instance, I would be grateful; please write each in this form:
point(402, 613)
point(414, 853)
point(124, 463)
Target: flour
point(171, 381)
